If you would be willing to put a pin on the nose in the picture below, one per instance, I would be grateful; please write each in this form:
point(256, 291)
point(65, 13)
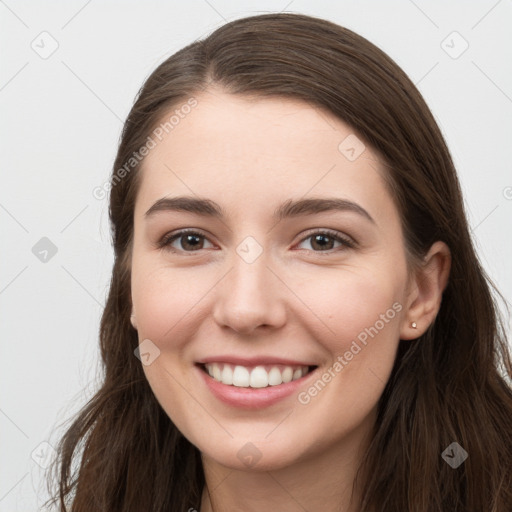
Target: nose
point(251, 296)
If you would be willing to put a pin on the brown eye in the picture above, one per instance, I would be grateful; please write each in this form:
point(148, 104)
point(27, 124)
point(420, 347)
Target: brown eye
point(188, 241)
point(322, 241)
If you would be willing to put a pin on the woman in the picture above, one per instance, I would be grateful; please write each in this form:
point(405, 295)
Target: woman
point(297, 319)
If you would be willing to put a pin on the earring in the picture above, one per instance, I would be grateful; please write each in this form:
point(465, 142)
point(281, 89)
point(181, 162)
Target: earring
point(413, 325)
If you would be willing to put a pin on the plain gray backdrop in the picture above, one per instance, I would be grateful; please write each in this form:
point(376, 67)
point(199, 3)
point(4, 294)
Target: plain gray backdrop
point(69, 75)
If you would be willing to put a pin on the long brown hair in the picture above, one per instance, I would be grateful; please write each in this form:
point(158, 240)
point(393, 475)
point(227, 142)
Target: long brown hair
point(123, 453)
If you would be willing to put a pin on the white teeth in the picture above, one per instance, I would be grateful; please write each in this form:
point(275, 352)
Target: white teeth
point(227, 375)
point(257, 377)
point(274, 377)
point(241, 377)
point(287, 374)
point(216, 372)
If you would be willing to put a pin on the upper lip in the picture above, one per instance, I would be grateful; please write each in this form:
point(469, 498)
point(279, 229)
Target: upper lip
point(253, 361)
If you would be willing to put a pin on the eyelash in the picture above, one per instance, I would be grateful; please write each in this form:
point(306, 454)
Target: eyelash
point(166, 241)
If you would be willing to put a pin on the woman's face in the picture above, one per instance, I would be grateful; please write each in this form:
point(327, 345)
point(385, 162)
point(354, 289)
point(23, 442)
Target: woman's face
point(274, 280)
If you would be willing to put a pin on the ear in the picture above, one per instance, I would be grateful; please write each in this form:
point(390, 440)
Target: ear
point(425, 291)
point(133, 320)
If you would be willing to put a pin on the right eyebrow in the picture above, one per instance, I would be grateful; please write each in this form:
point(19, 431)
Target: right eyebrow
point(204, 207)
point(290, 208)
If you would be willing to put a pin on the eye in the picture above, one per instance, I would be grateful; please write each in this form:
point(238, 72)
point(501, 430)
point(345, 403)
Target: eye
point(326, 238)
point(192, 241)
point(187, 239)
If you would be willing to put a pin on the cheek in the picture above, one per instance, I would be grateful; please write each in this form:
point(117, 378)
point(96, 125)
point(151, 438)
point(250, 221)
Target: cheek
point(163, 298)
point(362, 308)
point(164, 301)
point(352, 302)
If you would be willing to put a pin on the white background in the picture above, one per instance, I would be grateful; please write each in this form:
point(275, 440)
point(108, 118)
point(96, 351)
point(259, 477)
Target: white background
point(60, 123)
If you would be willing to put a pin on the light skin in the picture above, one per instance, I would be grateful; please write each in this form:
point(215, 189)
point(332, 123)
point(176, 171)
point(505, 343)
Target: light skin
point(305, 297)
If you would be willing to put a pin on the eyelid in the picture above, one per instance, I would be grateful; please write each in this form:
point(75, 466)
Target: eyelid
point(336, 235)
point(347, 241)
point(167, 239)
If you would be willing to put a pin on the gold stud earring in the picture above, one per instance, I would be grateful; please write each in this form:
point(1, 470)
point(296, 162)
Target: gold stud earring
point(413, 325)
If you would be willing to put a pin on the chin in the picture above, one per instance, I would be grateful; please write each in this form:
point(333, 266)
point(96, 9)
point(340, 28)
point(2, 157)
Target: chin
point(249, 458)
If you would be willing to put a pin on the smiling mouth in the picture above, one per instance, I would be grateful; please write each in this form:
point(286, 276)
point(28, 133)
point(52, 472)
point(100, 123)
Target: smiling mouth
point(261, 376)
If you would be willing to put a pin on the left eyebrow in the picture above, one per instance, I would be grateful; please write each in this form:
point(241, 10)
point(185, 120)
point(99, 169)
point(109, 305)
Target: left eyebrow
point(290, 208)
point(311, 206)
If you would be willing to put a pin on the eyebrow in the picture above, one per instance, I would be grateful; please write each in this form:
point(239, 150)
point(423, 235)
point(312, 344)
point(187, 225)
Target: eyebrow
point(289, 209)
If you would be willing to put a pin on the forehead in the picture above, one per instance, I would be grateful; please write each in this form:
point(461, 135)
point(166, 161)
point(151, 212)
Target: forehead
point(254, 125)
point(253, 148)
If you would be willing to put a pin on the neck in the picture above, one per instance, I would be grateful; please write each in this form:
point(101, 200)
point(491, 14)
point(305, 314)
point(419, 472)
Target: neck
point(323, 481)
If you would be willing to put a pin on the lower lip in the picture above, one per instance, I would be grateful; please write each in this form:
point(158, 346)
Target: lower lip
point(251, 398)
